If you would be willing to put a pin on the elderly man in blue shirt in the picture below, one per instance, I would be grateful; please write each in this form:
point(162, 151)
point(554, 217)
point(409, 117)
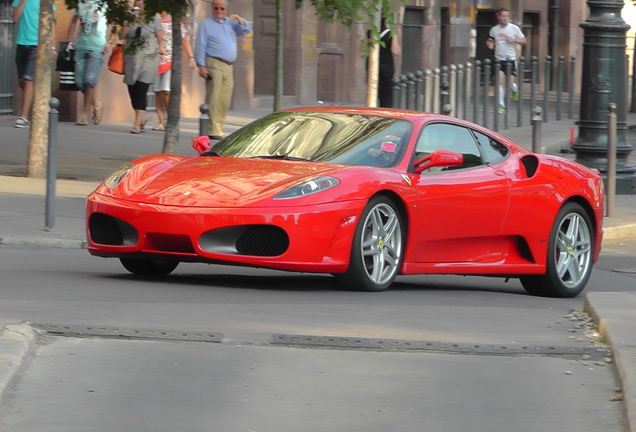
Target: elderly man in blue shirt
point(215, 53)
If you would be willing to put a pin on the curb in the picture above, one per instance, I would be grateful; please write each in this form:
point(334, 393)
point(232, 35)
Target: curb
point(42, 242)
point(17, 345)
point(613, 327)
point(613, 235)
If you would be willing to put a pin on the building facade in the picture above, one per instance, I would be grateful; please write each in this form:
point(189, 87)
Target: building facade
point(324, 62)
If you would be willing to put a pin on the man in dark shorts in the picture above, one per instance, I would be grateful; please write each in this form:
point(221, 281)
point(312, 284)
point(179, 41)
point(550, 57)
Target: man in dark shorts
point(504, 38)
point(26, 14)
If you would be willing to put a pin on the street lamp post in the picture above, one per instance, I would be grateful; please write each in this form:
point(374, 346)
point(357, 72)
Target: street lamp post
point(604, 81)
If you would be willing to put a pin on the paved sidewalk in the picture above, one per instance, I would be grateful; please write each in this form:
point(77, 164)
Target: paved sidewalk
point(87, 155)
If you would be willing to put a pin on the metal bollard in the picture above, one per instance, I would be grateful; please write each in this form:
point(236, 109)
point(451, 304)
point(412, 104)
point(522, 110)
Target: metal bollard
point(571, 87)
point(468, 80)
point(51, 168)
point(498, 95)
point(437, 72)
point(445, 99)
point(560, 68)
point(418, 90)
point(204, 119)
point(546, 86)
point(453, 89)
point(460, 91)
point(537, 120)
point(404, 86)
point(486, 91)
point(410, 99)
point(533, 84)
point(611, 159)
point(507, 94)
point(477, 76)
point(397, 88)
point(428, 90)
point(522, 67)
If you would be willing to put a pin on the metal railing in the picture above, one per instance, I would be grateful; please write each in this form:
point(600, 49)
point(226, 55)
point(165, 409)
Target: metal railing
point(471, 91)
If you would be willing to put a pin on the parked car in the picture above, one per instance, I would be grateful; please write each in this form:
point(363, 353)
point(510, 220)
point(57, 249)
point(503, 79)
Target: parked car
point(364, 194)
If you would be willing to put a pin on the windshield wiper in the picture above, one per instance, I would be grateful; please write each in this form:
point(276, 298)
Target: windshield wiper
point(284, 157)
point(211, 153)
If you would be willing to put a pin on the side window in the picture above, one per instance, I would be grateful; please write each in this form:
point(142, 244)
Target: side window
point(493, 150)
point(440, 136)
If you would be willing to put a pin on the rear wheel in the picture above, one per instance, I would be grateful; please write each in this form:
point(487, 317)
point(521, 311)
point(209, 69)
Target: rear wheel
point(378, 246)
point(570, 252)
point(149, 267)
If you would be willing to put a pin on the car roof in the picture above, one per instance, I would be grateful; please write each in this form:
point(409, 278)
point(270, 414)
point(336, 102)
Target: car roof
point(383, 112)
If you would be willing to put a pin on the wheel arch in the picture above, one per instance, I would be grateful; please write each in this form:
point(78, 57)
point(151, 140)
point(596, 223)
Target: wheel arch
point(585, 204)
point(402, 209)
point(399, 202)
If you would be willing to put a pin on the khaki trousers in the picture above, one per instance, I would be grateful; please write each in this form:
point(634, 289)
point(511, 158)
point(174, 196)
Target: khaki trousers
point(218, 93)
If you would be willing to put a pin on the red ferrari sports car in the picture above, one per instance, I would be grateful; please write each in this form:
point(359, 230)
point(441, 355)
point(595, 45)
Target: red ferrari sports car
point(364, 194)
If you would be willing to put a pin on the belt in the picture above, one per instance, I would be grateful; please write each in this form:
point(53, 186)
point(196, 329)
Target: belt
point(223, 61)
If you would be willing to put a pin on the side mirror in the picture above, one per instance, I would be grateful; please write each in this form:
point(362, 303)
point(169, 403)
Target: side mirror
point(439, 158)
point(201, 143)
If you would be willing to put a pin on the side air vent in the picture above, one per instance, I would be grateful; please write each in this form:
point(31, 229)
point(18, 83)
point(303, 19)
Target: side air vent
point(531, 163)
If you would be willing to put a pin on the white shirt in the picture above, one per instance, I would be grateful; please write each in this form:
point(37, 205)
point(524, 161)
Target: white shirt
point(505, 50)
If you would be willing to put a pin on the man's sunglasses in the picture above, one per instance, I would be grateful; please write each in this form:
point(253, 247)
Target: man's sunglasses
point(221, 8)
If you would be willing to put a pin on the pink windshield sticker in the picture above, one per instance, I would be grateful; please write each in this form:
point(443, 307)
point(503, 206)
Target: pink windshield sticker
point(388, 146)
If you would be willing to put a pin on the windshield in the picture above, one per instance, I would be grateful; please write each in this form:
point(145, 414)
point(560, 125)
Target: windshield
point(339, 138)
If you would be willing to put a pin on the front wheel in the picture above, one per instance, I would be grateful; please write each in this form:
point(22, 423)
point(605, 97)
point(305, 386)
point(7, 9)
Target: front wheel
point(378, 246)
point(149, 267)
point(570, 252)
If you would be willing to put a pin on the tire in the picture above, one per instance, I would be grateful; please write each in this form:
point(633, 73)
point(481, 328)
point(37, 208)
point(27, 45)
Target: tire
point(377, 249)
point(570, 253)
point(149, 267)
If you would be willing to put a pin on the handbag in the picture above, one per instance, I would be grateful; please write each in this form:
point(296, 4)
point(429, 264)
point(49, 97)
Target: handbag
point(116, 60)
point(164, 67)
point(65, 65)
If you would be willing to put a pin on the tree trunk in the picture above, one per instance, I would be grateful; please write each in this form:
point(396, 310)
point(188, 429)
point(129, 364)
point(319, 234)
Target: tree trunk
point(38, 135)
point(373, 72)
point(278, 73)
point(171, 138)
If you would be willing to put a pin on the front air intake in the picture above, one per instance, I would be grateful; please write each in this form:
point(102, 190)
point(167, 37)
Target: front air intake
point(262, 240)
point(108, 230)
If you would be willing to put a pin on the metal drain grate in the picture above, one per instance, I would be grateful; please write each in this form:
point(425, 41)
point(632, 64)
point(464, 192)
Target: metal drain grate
point(595, 352)
point(127, 333)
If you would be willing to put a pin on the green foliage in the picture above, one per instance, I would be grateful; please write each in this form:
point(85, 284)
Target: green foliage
point(119, 12)
point(349, 12)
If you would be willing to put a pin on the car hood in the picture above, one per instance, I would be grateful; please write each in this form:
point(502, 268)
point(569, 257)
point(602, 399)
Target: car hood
point(212, 181)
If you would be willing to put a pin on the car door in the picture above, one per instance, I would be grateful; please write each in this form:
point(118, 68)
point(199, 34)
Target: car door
point(460, 210)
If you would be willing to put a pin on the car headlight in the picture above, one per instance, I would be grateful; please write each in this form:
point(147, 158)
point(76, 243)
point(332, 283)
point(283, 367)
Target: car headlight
point(113, 180)
point(308, 187)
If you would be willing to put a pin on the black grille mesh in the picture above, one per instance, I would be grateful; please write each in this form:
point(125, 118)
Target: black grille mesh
point(262, 240)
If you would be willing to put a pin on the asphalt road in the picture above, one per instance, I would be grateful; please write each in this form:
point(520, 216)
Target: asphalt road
point(68, 286)
point(247, 383)
point(106, 385)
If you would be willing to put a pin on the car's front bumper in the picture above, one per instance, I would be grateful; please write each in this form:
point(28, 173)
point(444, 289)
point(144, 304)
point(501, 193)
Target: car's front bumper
point(299, 238)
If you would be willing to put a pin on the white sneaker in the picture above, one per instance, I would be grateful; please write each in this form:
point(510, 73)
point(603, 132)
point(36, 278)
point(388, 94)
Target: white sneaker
point(22, 123)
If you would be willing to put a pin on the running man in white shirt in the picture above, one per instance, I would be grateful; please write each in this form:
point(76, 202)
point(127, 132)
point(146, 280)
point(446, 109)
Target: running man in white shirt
point(504, 38)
